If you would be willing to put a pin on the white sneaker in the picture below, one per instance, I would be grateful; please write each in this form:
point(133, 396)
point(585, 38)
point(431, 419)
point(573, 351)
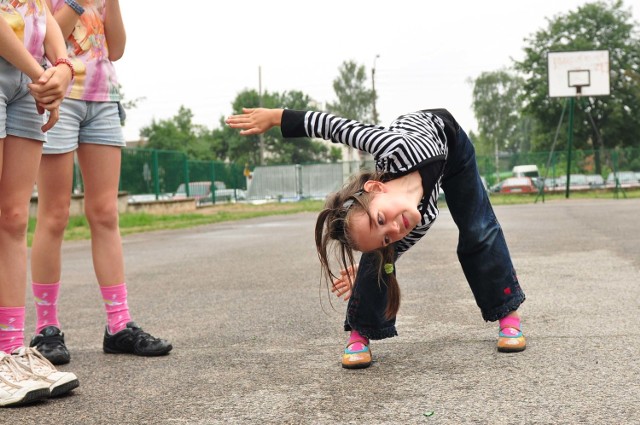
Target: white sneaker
point(18, 387)
point(34, 363)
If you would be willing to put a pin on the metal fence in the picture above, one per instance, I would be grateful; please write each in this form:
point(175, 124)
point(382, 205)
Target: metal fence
point(316, 181)
point(149, 174)
point(603, 162)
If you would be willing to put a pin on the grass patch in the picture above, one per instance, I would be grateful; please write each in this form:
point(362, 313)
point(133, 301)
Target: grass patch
point(526, 198)
point(78, 228)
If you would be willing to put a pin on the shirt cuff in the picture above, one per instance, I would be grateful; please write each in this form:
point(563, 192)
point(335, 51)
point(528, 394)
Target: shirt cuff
point(292, 124)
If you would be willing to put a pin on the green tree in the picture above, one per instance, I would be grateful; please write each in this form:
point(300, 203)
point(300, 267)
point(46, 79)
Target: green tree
point(228, 144)
point(297, 150)
point(497, 107)
point(355, 100)
point(179, 133)
point(614, 119)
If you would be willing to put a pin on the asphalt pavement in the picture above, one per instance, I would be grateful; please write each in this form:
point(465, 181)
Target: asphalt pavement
point(257, 339)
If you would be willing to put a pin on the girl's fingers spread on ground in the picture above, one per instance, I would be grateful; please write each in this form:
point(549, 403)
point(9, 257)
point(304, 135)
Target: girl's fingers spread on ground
point(339, 285)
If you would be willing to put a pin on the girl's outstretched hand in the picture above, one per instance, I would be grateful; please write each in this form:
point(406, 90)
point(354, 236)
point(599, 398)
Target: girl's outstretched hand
point(255, 120)
point(344, 284)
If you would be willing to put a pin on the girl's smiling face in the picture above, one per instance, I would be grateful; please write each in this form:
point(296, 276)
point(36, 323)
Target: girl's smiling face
point(391, 216)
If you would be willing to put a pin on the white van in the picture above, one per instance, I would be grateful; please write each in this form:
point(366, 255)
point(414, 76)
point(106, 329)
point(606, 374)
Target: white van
point(530, 171)
point(526, 171)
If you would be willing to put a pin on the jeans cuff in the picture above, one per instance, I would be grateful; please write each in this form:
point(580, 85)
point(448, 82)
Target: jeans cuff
point(373, 334)
point(498, 313)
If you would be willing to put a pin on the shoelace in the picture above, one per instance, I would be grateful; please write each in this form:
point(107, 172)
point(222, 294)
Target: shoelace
point(10, 371)
point(35, 362)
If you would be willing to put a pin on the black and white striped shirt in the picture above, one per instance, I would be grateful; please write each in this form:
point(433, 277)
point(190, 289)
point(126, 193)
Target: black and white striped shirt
point(408, 144)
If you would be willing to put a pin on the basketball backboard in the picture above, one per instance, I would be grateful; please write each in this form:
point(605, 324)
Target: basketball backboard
point(579, 73)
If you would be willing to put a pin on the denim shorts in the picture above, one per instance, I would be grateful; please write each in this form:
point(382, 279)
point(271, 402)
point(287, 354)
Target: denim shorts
point(96, 123)
point(18, 114)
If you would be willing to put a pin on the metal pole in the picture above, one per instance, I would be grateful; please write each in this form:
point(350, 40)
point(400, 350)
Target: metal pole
point(571, 104)
point(156, 172)
point(186, 175)
point(261, 136)
point(373, 86)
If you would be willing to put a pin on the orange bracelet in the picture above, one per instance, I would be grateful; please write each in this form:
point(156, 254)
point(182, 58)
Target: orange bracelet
point(68, 63)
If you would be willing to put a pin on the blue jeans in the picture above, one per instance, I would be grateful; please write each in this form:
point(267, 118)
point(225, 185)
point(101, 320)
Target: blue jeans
point(482, 252)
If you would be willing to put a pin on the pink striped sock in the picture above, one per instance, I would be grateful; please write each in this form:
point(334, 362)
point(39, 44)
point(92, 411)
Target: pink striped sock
point(46, 300)
point(115, 303)
point(11, 328)
point(356, 339)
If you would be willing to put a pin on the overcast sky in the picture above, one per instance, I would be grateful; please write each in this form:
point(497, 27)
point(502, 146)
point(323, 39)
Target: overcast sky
point(202, 53)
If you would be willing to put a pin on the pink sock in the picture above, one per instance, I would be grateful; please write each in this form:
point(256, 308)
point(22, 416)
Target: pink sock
point(115, 303)
point(509, 325)
point(46, 300)
point(356, 339)
point(11, 328)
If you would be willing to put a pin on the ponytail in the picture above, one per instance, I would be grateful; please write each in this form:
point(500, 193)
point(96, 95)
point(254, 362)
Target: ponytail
point(332, 234)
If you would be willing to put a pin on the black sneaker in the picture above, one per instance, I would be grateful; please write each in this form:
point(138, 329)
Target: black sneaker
point(133, 340)
point(50, 343)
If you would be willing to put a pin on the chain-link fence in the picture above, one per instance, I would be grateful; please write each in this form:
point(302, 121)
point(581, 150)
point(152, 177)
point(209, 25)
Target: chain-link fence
point(587, 169)
point(149, 174)
point(604, 162)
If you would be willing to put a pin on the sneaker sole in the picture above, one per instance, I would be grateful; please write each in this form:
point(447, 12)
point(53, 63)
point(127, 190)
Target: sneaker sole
point(511, 350)
point(30, 397)
point(152, 354)
point(356, 366)
point(361, 364)
point(63, 389)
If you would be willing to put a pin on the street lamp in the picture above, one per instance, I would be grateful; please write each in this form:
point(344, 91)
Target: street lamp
point(373, 86)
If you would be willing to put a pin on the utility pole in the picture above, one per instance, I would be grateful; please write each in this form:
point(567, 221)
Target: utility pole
point(366, 157)
point(373, 87)
point(261, 136)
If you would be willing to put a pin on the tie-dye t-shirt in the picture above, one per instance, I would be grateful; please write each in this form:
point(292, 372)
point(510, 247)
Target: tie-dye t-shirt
point(28, 20)
point(96, 78)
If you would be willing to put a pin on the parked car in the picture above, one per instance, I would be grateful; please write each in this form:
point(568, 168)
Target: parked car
point(526, 171)
point(595, 181)
point(148, 197)
point(530, 170)
point(550, 183)
point(517, 185)
point(626, 179)
point(576, 182)
point(201, 191)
